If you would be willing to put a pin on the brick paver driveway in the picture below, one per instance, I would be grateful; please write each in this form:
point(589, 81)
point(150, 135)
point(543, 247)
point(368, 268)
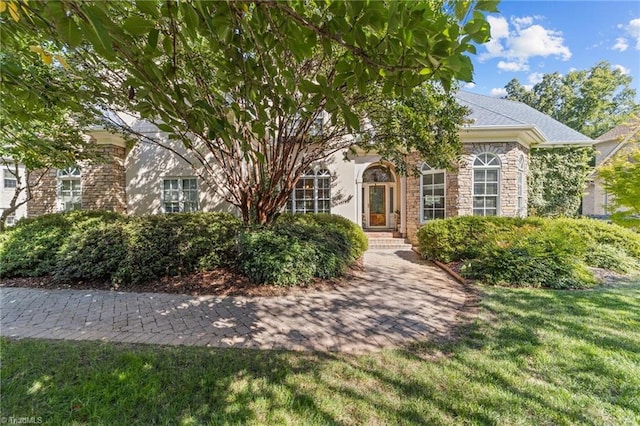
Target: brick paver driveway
point(398, 299)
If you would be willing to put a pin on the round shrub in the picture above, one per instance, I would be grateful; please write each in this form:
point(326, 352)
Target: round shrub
point(267, 257)
point(357, 239)
point(331, 243)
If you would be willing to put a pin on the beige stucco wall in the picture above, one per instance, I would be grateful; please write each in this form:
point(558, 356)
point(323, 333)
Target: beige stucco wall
point(6, 194)
point(147, 165)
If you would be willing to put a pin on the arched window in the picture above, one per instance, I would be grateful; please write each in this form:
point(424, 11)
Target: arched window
point(377, 174)
point(432, 193)
point(520, 183)
point(486, 185)
point(69, 189)
point(312, 193)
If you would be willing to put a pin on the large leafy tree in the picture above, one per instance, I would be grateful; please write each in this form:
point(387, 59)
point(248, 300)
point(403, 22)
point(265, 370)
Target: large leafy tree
point(589, 101)
point(39, 127)
point(241, 84)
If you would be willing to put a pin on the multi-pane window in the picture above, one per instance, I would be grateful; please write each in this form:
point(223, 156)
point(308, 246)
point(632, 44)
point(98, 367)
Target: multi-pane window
point(520, 185)
point(432, 191)
point(486, 184)
point(69, 189)
point(312, 193)
point(180, 195)
point(10, 180)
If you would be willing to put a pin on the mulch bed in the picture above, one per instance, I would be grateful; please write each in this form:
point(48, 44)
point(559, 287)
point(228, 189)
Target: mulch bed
point(220, 282)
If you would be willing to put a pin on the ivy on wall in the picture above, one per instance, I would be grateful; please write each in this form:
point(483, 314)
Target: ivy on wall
point(557, 178)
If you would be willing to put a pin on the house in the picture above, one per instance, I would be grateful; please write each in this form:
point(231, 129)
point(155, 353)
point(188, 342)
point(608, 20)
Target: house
point(8, 185)
point(596, 201)
point(490, 178)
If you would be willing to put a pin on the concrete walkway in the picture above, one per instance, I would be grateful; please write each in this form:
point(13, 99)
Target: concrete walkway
point(398, 299)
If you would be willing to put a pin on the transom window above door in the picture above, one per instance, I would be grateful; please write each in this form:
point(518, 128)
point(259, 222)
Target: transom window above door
point(378, 174)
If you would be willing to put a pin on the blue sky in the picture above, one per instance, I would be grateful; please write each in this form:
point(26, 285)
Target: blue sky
point(532, 38)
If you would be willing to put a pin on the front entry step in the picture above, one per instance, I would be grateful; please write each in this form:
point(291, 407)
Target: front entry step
point(385, 240)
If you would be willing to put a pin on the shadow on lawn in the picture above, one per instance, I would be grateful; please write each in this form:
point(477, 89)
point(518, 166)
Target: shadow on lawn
point(528, 361)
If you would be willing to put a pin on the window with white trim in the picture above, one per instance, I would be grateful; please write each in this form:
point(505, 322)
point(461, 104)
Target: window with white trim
point(180, 195)
point(486, 185)
point(312, 193)
point(520, 183)
point(69, 189)
point(10, 181)
point(432, 193)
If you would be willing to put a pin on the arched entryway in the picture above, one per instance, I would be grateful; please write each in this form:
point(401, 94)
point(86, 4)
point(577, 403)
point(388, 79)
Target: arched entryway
point(379, 196)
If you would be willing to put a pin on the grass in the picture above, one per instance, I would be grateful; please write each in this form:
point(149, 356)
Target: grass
point(532, 357)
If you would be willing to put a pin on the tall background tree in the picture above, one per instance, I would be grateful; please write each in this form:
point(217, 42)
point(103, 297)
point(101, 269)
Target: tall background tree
point(589, 101)
point(243, 84)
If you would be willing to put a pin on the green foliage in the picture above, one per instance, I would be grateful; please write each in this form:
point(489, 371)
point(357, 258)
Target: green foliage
point(589, 101)
point(90, 245)
point(300, 247)
point(557, 178)
point(30, 248)
point(612, 257)
point(357, 239)
point(269, 257)
point(621, 176)
point(426, 122)
point(92, 253)
point(249, 79)
point(550, 259)
point(84, 245)
point(536, 252)
point(465, 237)
point(176, 244)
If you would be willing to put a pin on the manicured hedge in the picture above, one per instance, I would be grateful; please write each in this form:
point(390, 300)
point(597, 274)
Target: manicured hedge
point(554, 253)
point(129, 250)
point(93, 245)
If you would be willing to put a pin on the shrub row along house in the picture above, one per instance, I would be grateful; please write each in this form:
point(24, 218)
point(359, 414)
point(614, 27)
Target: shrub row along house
point(490, 179)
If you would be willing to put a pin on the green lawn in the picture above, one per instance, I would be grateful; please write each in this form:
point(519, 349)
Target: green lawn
point(533, 357)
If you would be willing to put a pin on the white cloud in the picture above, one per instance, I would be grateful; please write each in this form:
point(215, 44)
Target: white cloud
point(498, 92)
point(523, 21)
point(633, 29)
point(538, 41)
point(513, 66)
point(535, 77)
point(621, 44)
point(469, 85)
point(624, 70)
point(518, 41)
point(528, 87)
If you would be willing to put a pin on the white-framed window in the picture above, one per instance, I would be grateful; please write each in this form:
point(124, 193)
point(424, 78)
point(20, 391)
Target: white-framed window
point(69, 189)
point(312, 193)
point(10, 181)
point(520, 185)
point(486, 185)
point(432, 193)
point(180, 194)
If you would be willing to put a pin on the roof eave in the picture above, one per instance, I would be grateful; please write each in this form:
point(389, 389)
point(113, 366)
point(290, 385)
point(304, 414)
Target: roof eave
point(527, 135)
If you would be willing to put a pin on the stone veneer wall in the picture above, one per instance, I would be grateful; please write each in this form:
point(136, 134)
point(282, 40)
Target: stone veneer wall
point(103, 185)
point(44, 195)
point(459, 184)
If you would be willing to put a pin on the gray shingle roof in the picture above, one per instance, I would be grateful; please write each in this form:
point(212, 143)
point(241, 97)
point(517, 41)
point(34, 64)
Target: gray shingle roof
point(487, 111)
